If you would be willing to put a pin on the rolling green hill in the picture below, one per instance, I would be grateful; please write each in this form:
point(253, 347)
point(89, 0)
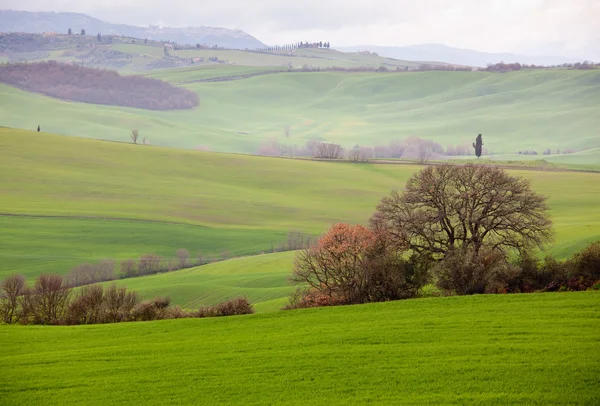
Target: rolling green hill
point(535, 349)
point(263, 279)
point(67, 200)
point(536, 110)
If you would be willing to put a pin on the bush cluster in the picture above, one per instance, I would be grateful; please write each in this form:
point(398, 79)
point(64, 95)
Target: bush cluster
point(77, 83)
point(52, 300)
point(467, 229)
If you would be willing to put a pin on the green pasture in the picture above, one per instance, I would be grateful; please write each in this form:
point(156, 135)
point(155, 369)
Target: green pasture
point(535, 349)
point(263, 279)
point(67, 200)
point(314, 58)
point(193, 74)
point(515, 111)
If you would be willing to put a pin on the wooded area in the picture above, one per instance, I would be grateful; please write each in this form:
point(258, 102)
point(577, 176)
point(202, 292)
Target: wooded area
point(77, 83)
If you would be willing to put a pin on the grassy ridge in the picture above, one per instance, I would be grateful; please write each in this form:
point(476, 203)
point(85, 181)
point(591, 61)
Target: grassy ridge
point(165, 199)
point(263, 279)
point(517, 110)
point(500, 349)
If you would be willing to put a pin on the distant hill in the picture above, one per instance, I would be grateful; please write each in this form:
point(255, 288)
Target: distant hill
point(24, 21)
point(458, 56)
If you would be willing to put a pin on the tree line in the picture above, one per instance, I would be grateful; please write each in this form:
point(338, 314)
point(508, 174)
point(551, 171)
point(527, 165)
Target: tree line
point(516, 66)
point(97, 86)
point(412, 148)
point(297, 45)
point(466, 229)
point(52, 300)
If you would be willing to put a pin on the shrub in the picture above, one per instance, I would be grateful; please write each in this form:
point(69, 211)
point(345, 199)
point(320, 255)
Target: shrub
point(10, 291)
point(587, 266)
point(145, 311)
point(232, 307)
point(352, 265)
point(466, 272)
point(87, 307)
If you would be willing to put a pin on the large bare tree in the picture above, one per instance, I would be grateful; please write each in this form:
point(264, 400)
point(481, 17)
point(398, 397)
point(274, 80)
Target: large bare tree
point(464, 206)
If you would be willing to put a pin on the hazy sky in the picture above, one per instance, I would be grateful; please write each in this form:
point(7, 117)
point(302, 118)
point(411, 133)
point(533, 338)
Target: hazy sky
point(556, 27)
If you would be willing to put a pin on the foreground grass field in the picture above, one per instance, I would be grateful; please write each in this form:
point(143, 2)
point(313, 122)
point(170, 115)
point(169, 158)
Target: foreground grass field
point(515, 111)
point(506, 349)
point(67, 200)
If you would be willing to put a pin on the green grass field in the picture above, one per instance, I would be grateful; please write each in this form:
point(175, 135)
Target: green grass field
point(536, 349)
point(518, 110)
point(67, 200)
point(263, 279)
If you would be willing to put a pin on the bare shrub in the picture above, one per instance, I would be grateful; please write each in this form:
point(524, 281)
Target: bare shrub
point(328, 150)
point(149, 264)
point(351, 264)
point(48, 299)
point(183, 257)
point(128, 268)
point(232, 307)
point(360, 154)
point(145, 311)
point(161, 302)
point(175, 313)
point(118, 304)
point(87, 307)
point(10, 290)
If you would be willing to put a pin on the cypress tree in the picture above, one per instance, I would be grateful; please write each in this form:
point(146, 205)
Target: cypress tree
point(478, 145)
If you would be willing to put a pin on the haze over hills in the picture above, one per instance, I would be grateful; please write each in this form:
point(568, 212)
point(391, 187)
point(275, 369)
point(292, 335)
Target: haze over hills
point(458, 56)
point(38, 22)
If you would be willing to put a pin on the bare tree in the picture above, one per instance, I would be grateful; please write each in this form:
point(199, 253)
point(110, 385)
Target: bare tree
point(446, 207)
point(47, 301)
point(10, 290)
point(128, 267)
point(328, 150)
point(135, 135)
point(183, 257)
point(286, 131)
point(360, 154)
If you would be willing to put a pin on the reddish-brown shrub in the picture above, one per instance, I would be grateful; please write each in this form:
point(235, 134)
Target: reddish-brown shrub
point(232, 307)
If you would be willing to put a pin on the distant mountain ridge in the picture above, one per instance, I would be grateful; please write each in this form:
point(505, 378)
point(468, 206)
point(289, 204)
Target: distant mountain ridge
point(38, 22)
point(457, 56)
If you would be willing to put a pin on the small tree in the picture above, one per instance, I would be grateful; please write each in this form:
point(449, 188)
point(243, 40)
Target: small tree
point(183, 257)
point(47, 301)
point(286, 131)
point(70, 32)
point(328, 150)
point(135, 135)
point(10, 291)
point(82, 31)
point(352, 264)
point(478, 145)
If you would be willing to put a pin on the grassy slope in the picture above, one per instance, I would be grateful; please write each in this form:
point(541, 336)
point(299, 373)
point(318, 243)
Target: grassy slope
point(519, 110)
point(263, 279)
point(167, 199)
point(315, 58)
point(504, 349)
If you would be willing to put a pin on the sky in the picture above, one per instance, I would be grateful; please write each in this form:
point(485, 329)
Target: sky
point(535, 27)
